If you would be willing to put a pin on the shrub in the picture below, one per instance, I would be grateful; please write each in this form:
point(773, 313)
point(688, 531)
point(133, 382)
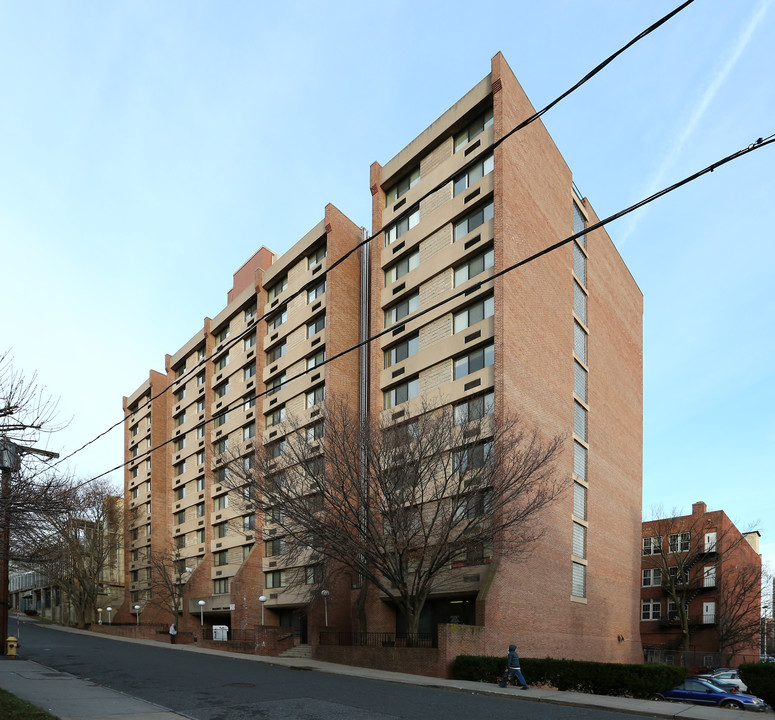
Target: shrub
point(642, 681)
point(760, 679)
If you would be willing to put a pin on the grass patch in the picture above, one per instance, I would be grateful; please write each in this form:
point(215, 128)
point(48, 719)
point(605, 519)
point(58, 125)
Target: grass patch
point(14, 708)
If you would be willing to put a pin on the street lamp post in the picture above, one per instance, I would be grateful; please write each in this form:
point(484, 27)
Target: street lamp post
point(765, 608)
point(110, 610)
point(99, 611)
point(325, 595)
point(201, 604)
point(262, 600)
point(137, 613)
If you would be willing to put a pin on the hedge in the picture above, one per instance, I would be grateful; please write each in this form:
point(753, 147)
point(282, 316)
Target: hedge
point(641, 681)
point(760, 679)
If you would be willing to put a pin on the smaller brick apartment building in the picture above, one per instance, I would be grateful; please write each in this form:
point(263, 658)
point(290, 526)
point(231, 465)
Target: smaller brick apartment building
point(700, 590)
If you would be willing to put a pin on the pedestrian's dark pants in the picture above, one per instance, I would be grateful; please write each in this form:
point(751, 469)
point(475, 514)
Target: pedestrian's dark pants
point(513, 672)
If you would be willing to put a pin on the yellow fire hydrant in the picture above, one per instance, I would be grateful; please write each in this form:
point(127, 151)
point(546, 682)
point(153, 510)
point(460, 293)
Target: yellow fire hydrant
point(11, 643)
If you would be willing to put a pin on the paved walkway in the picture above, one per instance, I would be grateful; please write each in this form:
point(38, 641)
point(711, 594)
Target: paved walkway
point(71, 698)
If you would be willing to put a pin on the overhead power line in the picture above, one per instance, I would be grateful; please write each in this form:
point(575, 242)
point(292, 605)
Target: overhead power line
point(474, 159)
point(757, 145)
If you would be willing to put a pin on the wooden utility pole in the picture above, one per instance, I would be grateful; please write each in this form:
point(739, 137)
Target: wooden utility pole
point(10, 455)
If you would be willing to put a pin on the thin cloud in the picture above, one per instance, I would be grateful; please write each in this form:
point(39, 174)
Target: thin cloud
point(658, 178)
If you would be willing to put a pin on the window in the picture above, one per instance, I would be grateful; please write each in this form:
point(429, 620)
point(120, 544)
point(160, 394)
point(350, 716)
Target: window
point(248, 463)
point(221, 390)
point(651, 577)
point(221, 419)
point(402, 186)
point(474, 174)
point(180, 371)
point(246, 551)
point(476, 360)
point(200, 352)
point(221, 446)
point(313, 574)
point(248, 371)
point(134, 472)
point(180, 517)
point(278, 319)
point(275, 384)
point(135, 493)
point(277, 288)
point(474, 313)
point(316, 395)
point(579, 302)
point(221, 587)
point(405, 224)
point(275, 514)
point(579, 420)
point(580, 341)
point(473, 220)
point(406, 348)
point(580, 264)
point(473, 129)
point(400, 310)
point(275, 579)
point(276, 449)
point(475, 408)
point(200, 510)
point(579, 223)
point(135, 430)
point(402, 392)
point(651, 609)
point(221, 530)
point(250, 312)
point(179, 420)
point(473, 506)
point(580, 380)
point(473, 457)
point(249, 431)
point(474, 266)
point(250, 340)
point(180, 492)
point(402, 267)
point(679, 542)
point(317, 257)
point(275, 547)
point(579, 501)
point(135, 451)
point(275, 353)
point(652, 545)
point(179, 443)
point(221, 558)
point(579, 460)
point(579, 540)
point(221, 502)
point(200, 405)
point(222, 362)
point(222, 335)
point(200, 483)
point(317, 359)
point(180, 394)
point(179, 468)
point(248, 522)
point(199, 535)
point(275, 417)
point(200, 379)
point(579, 580)
point(200, 432)
point(315, 431)
point(249, 401)
point(316, 292)
point(318, 324)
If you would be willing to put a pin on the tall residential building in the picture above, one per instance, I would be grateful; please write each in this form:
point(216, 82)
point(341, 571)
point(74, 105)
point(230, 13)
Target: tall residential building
point(557, 341)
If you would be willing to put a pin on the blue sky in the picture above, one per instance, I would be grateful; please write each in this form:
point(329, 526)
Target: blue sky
point(143, 144)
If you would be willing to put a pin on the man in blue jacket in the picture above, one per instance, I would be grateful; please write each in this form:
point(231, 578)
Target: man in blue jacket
point(512, 669)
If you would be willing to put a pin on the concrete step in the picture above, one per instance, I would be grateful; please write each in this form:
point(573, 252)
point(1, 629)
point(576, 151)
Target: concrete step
point(298, 651)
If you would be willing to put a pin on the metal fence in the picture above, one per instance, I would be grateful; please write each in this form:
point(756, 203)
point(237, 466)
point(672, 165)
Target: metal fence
point(376, 639)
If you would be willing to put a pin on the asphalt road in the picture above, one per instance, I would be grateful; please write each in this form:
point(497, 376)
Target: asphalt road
point(209, 687)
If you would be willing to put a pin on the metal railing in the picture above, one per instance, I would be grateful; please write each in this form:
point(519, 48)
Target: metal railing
point(379, 639)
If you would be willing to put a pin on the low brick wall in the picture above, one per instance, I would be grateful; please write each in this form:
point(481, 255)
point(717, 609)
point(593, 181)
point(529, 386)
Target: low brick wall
point(269, 641)
point(143, 632)
point(417, 661)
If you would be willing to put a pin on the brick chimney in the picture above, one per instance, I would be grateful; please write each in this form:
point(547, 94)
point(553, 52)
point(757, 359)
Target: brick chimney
point(699, 508)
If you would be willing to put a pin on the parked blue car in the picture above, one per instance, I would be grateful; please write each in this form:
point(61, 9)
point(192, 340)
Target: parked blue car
point(701, 692)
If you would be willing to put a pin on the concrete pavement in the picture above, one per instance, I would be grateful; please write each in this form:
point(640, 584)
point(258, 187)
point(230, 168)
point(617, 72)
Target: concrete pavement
point(72, 698)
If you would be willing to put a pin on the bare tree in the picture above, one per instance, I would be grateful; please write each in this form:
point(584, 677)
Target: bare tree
point(77, 544)
point(398, 504)
point(688, 557)
point(166, 584)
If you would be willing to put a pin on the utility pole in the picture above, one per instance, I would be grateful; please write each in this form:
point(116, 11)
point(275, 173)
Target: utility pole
point(10, 458)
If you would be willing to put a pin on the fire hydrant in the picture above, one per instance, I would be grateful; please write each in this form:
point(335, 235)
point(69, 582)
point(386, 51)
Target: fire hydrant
point(11, 643)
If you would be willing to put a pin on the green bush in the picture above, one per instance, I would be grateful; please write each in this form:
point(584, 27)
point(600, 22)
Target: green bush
point(641, 681)
point(760, 679)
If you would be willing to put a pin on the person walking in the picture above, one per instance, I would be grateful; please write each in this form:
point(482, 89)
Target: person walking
point(513, 669)
point(173, 633)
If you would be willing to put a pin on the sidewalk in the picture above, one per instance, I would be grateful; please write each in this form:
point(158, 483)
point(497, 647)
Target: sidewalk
point(70, 698)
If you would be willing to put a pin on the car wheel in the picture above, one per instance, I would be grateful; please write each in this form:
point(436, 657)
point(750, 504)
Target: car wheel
point(657, 697)
point(732, 705)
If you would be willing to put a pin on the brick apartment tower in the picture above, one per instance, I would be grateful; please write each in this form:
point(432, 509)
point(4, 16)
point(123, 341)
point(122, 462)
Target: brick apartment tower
point(558, 341)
